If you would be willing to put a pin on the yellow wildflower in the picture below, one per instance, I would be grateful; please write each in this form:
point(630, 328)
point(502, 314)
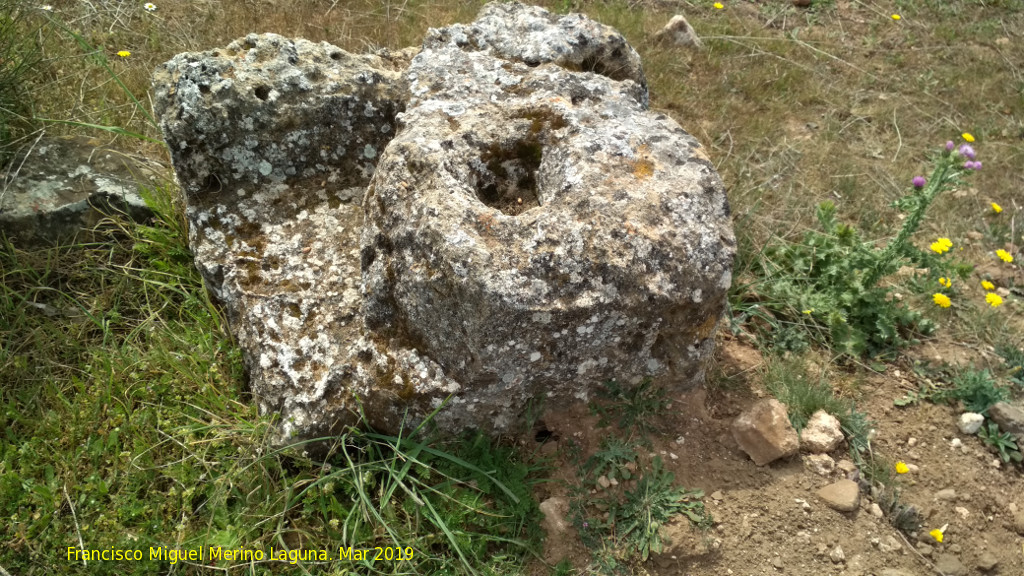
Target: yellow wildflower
point(124, 53)
point(993, 299)
point(968, 136)
point(937, 534)
point(718, 5)
point(896, 16)
point(809, 311)
point(987, 285)
point(942, 300)
point(1004, 256)
point(996, 208)
point(945, 282)
point(902, 468)
point(941, 245)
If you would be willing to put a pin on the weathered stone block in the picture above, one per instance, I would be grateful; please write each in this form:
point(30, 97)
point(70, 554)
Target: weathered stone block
point(530, 228)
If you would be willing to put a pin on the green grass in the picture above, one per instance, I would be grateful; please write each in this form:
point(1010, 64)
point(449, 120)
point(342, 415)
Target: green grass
point(126, 424)
point(125, 417)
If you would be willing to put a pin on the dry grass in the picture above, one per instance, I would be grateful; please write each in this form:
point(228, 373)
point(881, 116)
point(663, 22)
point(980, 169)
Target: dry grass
point(797, 106)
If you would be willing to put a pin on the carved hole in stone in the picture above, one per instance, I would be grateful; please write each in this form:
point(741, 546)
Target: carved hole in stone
point(598, 65)
point(262, 92)
point(506, 177)
point(335, 55)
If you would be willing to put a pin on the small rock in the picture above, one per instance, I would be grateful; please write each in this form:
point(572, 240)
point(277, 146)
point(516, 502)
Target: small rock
point(822, 434)
point(847, 466)
point(555, 511)
point(963, 512)
point(603, 481)
point(912, 467)
point(875, 510)
point(970, 422)
point(837, 555)
point(950, 565)
point(891, 544)
point(1009, 417)
point(911, 442)
point(893, 572)
point(955, 443)
point(821, 464)
point(945, 495)
point(995, 463)
point(843, 495)
point(679, 32)
point(1018, 523)
point(986, 561)
point(924, 549)
point(764, 432)
point(777, 562)
point(717, 495)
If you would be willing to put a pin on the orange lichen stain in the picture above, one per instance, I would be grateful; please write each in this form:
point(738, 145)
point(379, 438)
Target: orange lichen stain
point(707, 327)
point(642, 167)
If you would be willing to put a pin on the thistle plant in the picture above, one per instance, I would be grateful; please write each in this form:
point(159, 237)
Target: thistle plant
point(827, 287)
point(950, 167)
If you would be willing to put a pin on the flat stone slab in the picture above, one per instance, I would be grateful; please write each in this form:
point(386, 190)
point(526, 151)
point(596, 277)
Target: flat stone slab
point(54, 190)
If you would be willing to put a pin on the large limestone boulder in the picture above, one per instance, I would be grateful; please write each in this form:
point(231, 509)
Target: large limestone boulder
point(535, 231)
point(493, 223)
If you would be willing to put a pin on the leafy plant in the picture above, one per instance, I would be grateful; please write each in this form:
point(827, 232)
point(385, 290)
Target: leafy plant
point(653, 503)
point(612, 459)
point(977, 389)
point(828, 284)
point(1014, 358)
point(633, 409)
point(1003, 443)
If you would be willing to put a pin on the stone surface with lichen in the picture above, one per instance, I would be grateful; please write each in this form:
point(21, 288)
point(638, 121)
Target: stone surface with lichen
point(491, 223)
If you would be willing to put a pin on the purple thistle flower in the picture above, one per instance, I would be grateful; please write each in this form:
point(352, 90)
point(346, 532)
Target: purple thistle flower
point(972, 165)
point(977, 164)
point(919, 181)
point(966, 151)
point(949, 145)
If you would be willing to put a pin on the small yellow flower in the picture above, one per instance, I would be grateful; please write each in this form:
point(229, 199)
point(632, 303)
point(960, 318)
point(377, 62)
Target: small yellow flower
point(895, 16)
point(993, 299)
point(996, 208)
point(945, 282)
point(942, 300)
point(902, 468)
point(124, 53)
point(1004, 256)
point(809, 311)
point(968, 136)
point(718, 5)
point(941, 245)
point(937, 534)
point(987, 285)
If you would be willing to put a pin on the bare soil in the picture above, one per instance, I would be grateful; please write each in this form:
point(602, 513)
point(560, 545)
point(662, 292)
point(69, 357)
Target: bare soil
point(768, 520)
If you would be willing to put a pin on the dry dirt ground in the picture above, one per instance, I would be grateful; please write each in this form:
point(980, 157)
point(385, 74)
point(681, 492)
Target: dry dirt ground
point(768, 520)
